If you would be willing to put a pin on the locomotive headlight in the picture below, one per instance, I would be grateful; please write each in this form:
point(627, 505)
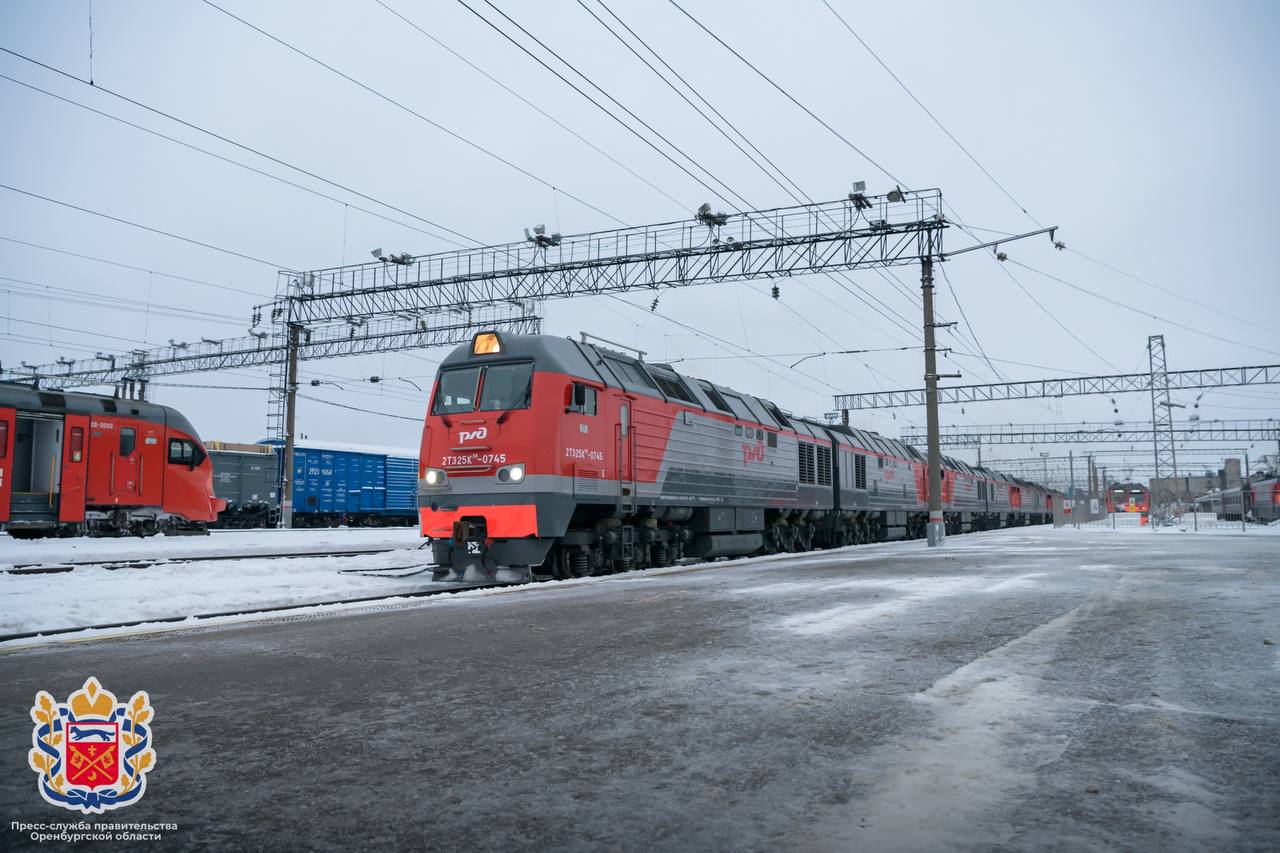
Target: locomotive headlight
point(435, 477)
point(511, 473)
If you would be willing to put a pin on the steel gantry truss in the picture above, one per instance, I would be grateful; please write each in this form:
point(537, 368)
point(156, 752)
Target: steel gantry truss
point(1087, 433)
point(1076, 386)
point(858, 232)
point(1162, 431)
point(266, 349)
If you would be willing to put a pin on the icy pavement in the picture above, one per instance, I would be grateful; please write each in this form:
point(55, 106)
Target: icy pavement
point(1017, 690)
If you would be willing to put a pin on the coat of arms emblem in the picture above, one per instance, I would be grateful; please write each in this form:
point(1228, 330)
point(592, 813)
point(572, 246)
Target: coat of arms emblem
point(91, 752)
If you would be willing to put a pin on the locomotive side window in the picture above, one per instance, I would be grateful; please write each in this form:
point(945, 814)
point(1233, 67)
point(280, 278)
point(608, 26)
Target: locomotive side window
point(128, 440)
point(4, 439)
point(186, 452)
point(506, 386)
point(584, 399)
point(181, 452)
point(457, 391)
point(773, 439)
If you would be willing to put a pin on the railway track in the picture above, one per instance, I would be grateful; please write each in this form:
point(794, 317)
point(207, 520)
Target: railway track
point(146, 563)
point(442, 589)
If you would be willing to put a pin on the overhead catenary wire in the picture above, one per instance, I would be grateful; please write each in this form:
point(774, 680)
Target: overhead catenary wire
point(139, 225)
point(98, 87)
point(790, 97)
point(535, 108)
point(1142, 311)
point(930, 114)
point(228, 160)
point(132, 267)
point(407, 109)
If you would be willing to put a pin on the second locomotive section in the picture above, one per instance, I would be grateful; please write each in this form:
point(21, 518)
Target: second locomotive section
point(544, 451)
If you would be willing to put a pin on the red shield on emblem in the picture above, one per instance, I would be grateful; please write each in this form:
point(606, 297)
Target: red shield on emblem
point(93, 754)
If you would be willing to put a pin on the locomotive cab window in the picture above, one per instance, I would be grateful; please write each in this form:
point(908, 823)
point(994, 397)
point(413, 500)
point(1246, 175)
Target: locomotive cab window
point(456, 392)
point(185, 452)
point(582, 399)
point(506, 386)
point(128, 441)
point(4, 439)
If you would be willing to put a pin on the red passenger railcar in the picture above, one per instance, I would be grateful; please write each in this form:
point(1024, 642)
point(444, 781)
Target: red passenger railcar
point(83, 463)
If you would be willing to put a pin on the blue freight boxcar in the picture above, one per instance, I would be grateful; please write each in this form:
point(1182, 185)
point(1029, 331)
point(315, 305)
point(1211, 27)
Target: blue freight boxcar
point(354, 484)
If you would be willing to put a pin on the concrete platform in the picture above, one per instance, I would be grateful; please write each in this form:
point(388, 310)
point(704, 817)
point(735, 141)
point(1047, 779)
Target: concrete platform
point(1017, 690)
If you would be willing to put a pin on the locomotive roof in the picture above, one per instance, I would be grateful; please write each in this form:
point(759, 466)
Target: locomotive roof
point(31, 399)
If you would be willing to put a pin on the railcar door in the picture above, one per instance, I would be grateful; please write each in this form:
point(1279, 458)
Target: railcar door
point(75, 463)
point(8, 426)
point(124, 471)
point(626, 459)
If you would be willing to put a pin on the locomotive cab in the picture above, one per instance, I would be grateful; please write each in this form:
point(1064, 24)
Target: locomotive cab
point(81, 463)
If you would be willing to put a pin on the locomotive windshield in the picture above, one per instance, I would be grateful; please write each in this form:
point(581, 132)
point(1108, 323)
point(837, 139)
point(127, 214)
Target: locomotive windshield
point(498, 387)
point(457, 391)
point(506, 386)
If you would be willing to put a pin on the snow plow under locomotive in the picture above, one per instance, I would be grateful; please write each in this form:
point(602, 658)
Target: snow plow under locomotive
point(541, 451)
point(74, 464)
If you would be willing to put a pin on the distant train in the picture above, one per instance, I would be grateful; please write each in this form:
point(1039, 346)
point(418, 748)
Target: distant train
point(334, 484)
point(1128, 497)
point(1261, 502)
point(73, 464)
point(543, 451)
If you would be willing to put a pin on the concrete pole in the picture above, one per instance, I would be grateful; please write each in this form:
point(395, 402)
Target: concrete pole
point(1244, 485)
point(290, 415)
point(935, 532)
point(1071, 461)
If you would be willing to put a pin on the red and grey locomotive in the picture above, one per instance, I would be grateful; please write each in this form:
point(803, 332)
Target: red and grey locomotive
point(82, 463)
point(545, 451)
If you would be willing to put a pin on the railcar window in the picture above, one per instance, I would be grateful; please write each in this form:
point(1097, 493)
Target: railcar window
point(128, 440)
point(506, 386)
point(584, 399)
point(180, 452)
point(457, 391)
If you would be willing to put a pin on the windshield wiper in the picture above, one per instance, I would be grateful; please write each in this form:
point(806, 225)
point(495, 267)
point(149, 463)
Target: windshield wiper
point(518, 404)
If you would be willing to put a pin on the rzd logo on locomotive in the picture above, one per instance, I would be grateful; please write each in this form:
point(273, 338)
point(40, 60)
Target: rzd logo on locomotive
point(752, 453)
point(92, 753)
point(473, 435)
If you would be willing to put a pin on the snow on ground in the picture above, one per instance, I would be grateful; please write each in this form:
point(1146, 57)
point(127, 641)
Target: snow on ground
point(79, 549)
point(91, 595)
point(95, 596)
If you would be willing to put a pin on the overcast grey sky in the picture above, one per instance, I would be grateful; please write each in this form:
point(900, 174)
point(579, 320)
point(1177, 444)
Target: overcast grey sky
point(1146, 131)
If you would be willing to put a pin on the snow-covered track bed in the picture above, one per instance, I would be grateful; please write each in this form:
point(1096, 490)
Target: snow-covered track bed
point(437, 589)
point(143, 563)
